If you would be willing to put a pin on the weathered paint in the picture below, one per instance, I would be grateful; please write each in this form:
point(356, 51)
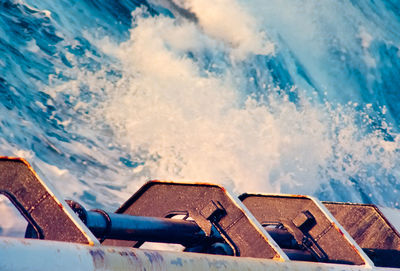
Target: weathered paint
point(342, 231)
point(242, 232)
point(334, 223)
point(33, 255)
point(280, 256)
point(91, 239)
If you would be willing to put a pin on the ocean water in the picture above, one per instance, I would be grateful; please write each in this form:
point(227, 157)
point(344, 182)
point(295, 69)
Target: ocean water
point(271, 96)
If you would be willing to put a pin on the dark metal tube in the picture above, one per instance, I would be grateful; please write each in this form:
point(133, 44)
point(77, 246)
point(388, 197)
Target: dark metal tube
point(282, 237)
point(141, 228)
point(289, 245)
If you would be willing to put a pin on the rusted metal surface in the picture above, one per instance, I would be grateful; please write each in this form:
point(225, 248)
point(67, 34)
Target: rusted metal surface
point(371, 230)
point(50, 218)
point(32, 255)
point(210, 206)
point(311, 225)
point(302, 226)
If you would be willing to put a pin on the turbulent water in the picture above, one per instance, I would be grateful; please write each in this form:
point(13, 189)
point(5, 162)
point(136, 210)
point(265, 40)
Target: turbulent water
point(268, 96)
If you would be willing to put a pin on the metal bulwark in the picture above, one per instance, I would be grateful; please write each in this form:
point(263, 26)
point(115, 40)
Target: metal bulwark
point(32, 255)
point(371, 230)
point(51, 218)
point(209, 206)
point(310, 223)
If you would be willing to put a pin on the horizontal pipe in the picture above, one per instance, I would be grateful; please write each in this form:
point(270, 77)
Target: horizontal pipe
point(141, 228)
point(167, 230)
point(32, 254)
point(289, 245)
point(282, 237)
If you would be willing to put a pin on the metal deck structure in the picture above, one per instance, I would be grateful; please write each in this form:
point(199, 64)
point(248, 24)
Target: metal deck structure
point(216, 230)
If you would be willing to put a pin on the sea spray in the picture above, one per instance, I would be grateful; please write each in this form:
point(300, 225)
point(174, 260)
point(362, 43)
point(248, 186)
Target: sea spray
point(267, 98)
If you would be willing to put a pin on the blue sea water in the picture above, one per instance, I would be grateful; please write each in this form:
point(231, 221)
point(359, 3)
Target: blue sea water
point(268, 96)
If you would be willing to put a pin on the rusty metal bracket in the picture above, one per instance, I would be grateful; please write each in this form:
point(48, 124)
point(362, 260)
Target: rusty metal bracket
point(371, 230)
point(209, 206)
point(49, 217)
point(311, 225)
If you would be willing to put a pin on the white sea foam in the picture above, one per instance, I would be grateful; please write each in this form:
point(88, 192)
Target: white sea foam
point(189, 122)
point(228, 21)
point(393, 215)
point(32, 46)
point(14, 225)
point(194, 125)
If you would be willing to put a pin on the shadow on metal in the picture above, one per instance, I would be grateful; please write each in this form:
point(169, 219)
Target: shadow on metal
point(311, 227)
point(371, 230)
point(211, 207)
point(48, 217)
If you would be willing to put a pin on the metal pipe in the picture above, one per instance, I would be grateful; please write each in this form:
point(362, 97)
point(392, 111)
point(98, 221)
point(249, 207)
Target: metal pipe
point(141, 228)
point(166, 230)
point(289, 245)
point(29, 254)
point(282, 237)
point(106, 225)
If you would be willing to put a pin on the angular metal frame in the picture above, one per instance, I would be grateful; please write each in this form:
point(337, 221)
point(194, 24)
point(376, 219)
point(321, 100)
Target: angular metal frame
point(308, 220)
point(208, 205)
point(51, 218)
point(370, 229)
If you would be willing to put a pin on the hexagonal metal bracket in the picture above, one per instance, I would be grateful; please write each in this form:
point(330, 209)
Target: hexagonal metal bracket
point(310, 223)
point(50, 217)
point(370, 229)
point(208, 205)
